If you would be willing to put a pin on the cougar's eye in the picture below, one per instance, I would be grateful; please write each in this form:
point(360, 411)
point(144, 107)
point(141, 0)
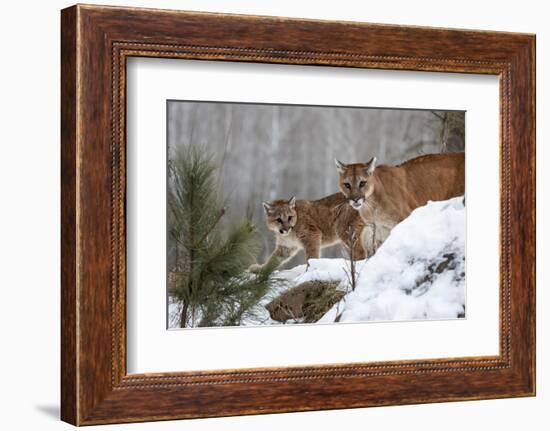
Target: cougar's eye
point(289, 218)
point(280, 220)
point(347, 186)
point(362, 184)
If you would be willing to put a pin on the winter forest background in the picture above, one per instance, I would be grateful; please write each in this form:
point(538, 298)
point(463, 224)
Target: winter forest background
point(268, 152)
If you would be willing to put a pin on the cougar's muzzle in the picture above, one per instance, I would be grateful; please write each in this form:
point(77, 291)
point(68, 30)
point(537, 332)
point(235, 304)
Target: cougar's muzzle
point(285, 230)
point(356, 203)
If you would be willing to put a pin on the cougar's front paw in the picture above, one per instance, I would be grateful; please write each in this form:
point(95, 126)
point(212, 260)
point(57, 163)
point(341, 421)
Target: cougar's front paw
point(255, 268)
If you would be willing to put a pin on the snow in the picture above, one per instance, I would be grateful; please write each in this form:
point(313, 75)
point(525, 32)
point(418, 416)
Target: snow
point(174, 312)
point(417, 273)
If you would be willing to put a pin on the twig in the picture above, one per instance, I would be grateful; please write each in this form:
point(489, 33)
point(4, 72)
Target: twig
point(437, 115)
point(351, 272)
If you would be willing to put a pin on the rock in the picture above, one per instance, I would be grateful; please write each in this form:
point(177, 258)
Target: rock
point(306, 303)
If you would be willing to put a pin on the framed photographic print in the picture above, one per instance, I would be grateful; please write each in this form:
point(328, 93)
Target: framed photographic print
point(322, 214)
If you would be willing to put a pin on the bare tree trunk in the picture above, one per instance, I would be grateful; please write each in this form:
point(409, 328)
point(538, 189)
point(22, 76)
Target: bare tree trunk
point(275, 144)
point(183, 316)
point(228, 140)
point(444, 131)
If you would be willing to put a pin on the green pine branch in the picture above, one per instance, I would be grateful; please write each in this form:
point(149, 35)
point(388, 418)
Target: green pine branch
point(213, 284)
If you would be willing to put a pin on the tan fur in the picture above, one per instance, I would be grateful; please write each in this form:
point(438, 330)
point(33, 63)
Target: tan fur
point(310, 226)
point(385, 195)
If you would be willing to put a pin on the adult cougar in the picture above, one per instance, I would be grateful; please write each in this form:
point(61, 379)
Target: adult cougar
point(385, 195)
point(312, 225)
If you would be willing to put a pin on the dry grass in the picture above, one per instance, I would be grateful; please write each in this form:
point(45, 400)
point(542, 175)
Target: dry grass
point(305, 303)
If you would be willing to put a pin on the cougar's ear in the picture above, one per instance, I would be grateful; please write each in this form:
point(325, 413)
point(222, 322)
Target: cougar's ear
point(371, 165)
point(292, 202)
point(340, 166)
point(268, 208)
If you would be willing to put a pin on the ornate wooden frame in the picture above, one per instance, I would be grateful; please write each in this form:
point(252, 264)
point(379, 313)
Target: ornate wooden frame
point(95, 43)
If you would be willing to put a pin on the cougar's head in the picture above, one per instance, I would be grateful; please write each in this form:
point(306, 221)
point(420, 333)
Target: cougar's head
point(280, 215)
point(355, 181)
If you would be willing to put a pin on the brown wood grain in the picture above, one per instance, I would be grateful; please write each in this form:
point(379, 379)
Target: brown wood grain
point(96, 41)
point(69, 330)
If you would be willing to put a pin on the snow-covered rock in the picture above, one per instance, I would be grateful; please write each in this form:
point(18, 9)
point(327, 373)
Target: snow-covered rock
point(417, 273)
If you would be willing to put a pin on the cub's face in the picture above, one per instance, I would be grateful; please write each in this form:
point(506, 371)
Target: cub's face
point(355, 181)
point(280, 215)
